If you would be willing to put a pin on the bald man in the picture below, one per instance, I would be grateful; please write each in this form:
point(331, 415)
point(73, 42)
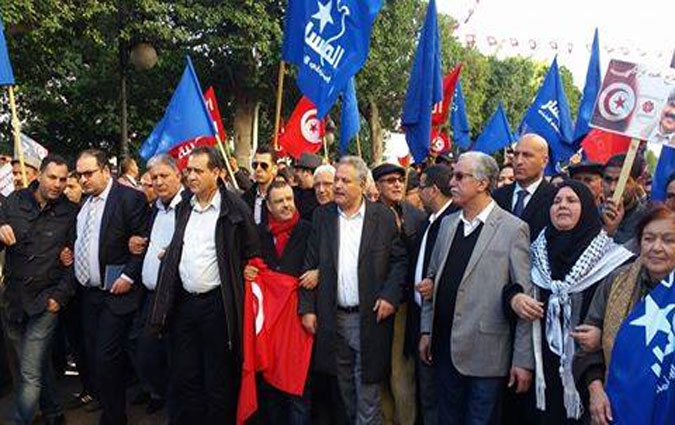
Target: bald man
point(529, 198)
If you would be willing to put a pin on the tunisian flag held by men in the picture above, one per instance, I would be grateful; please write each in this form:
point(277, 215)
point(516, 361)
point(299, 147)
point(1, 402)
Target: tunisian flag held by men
point(274, 340)
point(304, 131)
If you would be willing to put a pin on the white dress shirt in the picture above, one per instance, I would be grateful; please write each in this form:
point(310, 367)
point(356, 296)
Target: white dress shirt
point(423, 247)
point(258, 206)
point(350, 230)
point(98, 203)
point(160, 237)
point(470, 226)
point(198, 267)
point(530, 191)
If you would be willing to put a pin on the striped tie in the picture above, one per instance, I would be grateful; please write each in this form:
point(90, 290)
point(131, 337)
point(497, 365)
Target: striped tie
point(82, 248)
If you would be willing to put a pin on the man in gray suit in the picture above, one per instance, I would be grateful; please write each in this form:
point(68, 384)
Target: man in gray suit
point(465, 333)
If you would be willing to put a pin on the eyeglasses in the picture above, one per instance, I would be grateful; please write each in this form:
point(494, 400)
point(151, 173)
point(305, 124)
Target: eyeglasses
point(86, 174)
point(265, 166)
point(670, 115)
point(391, 180)
point(459, 176)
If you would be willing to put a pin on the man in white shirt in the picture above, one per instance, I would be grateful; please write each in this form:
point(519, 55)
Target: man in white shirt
point(355, 245)
point(199, 293)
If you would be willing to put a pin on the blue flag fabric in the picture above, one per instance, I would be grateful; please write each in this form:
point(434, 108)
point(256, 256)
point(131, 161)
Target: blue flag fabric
point(549, 116)
point(425, 87)
point(329, 41)
point(461, 132)
point(350, 121)
point(186, 117)
point(497, 133)
point(640, 380)
point(664, 169)
point(6, 73)
point(591, 90)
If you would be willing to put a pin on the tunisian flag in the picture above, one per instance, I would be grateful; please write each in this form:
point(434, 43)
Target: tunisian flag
point(439, 114)
point(304, 131)
point(440, 141)
point(601, 145)
point(274, 340)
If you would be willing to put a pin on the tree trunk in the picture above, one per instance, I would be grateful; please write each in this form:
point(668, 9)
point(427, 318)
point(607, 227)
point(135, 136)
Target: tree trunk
point(376, 135)
point(243, 126)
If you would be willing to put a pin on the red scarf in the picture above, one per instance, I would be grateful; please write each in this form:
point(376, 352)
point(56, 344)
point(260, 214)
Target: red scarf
point(281, 230)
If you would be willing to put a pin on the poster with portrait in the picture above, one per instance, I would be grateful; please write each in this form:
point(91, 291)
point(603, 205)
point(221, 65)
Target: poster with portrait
point(637, 103)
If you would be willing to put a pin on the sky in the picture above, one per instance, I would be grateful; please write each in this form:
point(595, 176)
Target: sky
point(635, 31)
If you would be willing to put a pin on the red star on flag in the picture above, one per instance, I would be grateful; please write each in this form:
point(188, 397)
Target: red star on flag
point(619, 102)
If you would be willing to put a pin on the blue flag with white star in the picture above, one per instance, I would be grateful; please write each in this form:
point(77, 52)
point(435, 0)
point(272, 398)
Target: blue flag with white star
point(329, 41)
point(640, 382)
point(549, 116)
point(461, 132)
point(6, 73)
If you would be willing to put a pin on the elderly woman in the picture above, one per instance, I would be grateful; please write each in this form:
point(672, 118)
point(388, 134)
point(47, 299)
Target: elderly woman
point(569, 258)
point(614, 301)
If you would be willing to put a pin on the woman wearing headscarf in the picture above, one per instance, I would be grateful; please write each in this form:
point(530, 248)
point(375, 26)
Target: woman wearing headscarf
point(569, 257)
point(617, 298)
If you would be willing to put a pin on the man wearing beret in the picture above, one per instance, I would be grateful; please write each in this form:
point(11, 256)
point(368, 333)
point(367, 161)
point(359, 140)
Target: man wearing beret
point(590, 174)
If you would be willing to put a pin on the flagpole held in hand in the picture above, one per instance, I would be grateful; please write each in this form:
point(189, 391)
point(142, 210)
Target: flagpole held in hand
point(625, 171)
point(227, 161)
point(280, 92)
point(16, 126)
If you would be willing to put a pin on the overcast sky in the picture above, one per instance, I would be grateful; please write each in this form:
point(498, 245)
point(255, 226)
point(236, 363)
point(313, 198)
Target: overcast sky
point(638, 31)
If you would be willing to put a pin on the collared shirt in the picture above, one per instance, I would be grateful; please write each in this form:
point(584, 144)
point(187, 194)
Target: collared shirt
point(530, 191)
point(350, 230)
point(98, 204)
point(423, 247)
point(198, 267)
point(160, 237)
point(470, 226)
point(258, 206)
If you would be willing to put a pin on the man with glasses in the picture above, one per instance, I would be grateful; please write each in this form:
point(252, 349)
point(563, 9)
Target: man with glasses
point(110, 276)
point(390, 182)
point(264, 171)
point(478, 252)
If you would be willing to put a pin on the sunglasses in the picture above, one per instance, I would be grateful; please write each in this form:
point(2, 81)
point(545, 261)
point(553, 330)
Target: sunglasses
point(265, 166)
point(669, 115)
point(392, 180)
point(459, 176)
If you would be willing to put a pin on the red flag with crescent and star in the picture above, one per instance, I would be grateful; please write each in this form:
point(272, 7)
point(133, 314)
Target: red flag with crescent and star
point(304, 131)
point(440, 141)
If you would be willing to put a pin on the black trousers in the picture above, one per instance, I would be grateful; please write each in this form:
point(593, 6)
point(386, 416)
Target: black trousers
point(105, 339)
point(204, 375)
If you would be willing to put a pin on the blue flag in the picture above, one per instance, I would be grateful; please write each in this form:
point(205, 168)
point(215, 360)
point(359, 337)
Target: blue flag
point(640, 380)
point(591, 89)
point(664, 169)
point(458, 120)
point(425, 87)
point(497, 133)
point(549, 117)
point(6, 73)
point(350, 121)
point(328, 40)
point(185, 118)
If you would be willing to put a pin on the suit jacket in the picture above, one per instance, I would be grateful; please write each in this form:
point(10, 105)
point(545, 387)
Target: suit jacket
point(381, 272)
point(536, 214)
point(292, 259)
point(249, 198)
point(125, 215)
point(412, 327)
point(480, 337)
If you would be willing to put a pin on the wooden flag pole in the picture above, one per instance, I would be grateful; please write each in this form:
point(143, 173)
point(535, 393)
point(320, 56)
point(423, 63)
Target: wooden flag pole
point(325, 149)
point(227, 161)
point(16, 126)
point(625, 170)
point(358, 145)
point(280, 92)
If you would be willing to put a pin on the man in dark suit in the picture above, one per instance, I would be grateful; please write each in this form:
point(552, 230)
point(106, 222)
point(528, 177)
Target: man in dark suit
point(355, 245)
point(437, 200)
point(304, 192)
point(110, 275)
point(265, 170)
point(531, 196)
point(200, 295)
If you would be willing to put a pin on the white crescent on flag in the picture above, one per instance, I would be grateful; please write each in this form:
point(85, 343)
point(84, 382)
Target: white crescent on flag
point(310, 126)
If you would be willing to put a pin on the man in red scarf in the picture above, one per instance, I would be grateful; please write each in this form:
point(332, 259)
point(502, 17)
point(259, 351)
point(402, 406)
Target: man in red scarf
point(283, 241)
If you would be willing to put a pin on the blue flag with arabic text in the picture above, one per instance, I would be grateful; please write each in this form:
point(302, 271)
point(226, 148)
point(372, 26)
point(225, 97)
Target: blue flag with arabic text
point(329, 41)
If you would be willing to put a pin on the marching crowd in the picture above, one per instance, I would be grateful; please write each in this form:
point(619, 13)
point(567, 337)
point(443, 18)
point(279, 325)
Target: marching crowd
point(455, 292)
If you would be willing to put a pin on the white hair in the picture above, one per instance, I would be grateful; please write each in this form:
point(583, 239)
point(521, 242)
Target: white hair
point(325, 168)
point(484, 167)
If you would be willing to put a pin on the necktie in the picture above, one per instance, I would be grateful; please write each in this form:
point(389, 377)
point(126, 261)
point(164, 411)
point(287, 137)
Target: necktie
point(520, 202)
point(82, 272)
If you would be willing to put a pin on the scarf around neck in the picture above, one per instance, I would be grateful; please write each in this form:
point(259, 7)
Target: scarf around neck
point(281, 231)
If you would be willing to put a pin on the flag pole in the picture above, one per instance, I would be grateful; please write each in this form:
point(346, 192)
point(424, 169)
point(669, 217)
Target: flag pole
point(358, 145)
point(223, 152)
point(625, 170)
point(280, 91)
point(325, 149)
point(16, 126)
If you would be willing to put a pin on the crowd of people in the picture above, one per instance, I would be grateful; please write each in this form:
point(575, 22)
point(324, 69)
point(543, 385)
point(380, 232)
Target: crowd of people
point(454, 292)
